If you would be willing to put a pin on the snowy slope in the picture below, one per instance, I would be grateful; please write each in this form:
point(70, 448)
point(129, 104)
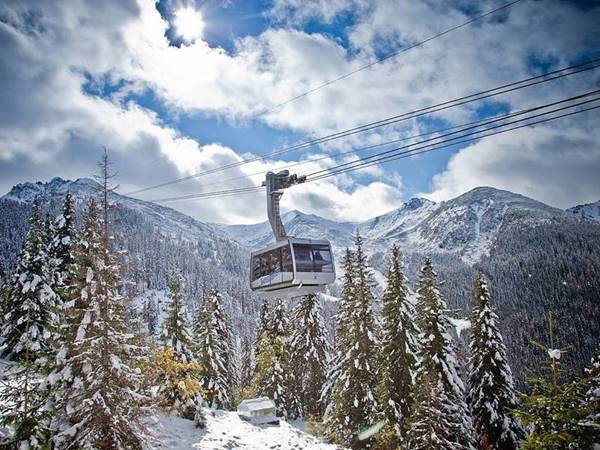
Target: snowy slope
point(589, 211)
point(399, 221)
point(225, 430)
point(169, 221)
point(296, 224)
point(465, 226)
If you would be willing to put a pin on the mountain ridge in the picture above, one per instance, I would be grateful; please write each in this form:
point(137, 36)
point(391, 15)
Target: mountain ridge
point(537, 258)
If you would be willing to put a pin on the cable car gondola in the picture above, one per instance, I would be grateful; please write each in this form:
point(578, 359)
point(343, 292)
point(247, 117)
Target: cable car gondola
point(291, 266)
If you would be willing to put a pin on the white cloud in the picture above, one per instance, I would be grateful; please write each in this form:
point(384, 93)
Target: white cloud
point(189, 23)
point(50, 126)
point(554, 164)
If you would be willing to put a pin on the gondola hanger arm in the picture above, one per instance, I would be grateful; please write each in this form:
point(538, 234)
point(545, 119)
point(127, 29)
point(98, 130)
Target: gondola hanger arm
point(275, 184)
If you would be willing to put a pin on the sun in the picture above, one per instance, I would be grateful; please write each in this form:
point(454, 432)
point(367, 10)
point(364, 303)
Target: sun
point(189, 24)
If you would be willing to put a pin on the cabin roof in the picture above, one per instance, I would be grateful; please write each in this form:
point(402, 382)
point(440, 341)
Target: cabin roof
point(257, 404)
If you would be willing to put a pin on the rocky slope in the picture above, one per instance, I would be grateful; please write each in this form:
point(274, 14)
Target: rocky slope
point(589, 211)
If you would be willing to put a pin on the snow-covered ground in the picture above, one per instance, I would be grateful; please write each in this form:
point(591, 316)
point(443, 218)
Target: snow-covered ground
point(225, 430)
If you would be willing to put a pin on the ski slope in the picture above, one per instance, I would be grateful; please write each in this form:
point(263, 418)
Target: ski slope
point(225, 430)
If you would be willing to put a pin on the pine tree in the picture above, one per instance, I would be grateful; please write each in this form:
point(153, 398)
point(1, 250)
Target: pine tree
point(309, 354)
point(4, 295)
point(437, 366)
point(397, 355)
point(246, 365)
point(212, 338)
point(491, 390)
point(345, 306)
point(30, 320)
point(62, 240)
point(592, 394)
point(97, 389)
point(355, 407)
point(432, 417)
point(555, 412)
point(272, 377)
point(176, 332)
point(28, 326)
point(22, 406)
point(150, 316)
point(61, 248)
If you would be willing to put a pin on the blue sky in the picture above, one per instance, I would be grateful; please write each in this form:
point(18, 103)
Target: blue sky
point(177, 87)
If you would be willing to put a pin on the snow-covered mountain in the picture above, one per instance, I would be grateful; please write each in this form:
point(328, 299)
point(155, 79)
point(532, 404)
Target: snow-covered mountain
point(169, 221)
point(296, 223)
point(537, 258)
point(465, 226)
point(154, 240)
point(589, 211)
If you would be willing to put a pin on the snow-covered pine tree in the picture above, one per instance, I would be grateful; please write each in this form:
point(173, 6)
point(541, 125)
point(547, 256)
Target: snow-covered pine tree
point(355, 406)
point(4, 294)
point(309, 355)
point(176, 332)
point(345, 306)
point(246, 371)
point(432, 418)
point(28, 326)
point(22, 406)
point(437, 366)
point(48, 233)
point(397, 354)
point(272, 376)
point(61, 248)
point(265, 323)
point(592, 394)
point(30, 320)
point(150, 316)
point(491, 392)
point(100, 391)
point(214, 352)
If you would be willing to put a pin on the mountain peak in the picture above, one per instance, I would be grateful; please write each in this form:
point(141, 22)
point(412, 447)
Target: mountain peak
point(27, 191)
point(416, 202)
point(589, 211)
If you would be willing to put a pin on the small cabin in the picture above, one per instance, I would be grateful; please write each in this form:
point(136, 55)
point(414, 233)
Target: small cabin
point(258, 411)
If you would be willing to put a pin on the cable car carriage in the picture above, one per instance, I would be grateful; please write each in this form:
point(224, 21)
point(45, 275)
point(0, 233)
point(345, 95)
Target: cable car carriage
point(291, 266)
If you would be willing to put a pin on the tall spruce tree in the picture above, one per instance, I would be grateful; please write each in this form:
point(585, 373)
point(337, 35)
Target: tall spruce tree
point(272, 372)
point(397, 354)
point(4, 294)
point(592, 395)
point(345, 306)
point(176, 332)
point(213, 341)
point(491, 390)
point(309, 355)
point(99, 386)
point(432, 418)
point(437, 366)
point(61, 248)
point(30, 319)
point(355, 406)
point(28, 326)
point(100, 395)
point(246, 371)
